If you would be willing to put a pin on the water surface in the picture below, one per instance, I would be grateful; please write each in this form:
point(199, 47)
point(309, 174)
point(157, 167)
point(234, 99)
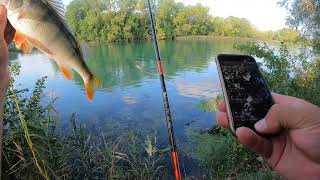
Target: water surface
point(131, 93)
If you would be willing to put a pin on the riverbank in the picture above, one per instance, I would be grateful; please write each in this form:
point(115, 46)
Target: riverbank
point(233, 40)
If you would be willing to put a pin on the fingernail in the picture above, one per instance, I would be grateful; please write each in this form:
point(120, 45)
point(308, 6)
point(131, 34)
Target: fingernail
point(261, 125)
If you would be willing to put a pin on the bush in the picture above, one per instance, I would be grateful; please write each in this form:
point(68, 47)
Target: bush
point(295, 74)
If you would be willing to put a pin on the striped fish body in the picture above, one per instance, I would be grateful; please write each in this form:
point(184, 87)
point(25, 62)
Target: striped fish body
point(41, 24)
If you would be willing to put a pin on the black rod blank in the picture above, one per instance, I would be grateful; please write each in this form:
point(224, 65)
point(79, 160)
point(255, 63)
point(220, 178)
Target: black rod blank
point(174, 153)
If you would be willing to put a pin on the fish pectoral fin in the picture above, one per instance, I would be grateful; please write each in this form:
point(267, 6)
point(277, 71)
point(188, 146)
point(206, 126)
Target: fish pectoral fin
point(19, 39)
point(26, 48)
point(66, 72)
point(22, 43)
point(91, 86)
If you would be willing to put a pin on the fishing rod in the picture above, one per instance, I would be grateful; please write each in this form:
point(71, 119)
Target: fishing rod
point(174, 152)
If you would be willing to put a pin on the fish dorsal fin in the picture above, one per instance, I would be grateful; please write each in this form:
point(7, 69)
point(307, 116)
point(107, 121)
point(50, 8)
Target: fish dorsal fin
point(58, 7)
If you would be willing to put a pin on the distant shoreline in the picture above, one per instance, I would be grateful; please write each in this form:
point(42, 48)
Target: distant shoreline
point(195, 38)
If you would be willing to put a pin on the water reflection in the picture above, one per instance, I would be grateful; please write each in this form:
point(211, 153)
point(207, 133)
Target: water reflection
point(203, 90)
point(130, 64)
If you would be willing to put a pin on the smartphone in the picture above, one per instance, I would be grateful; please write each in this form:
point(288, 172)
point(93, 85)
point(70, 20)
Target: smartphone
point(246, 93)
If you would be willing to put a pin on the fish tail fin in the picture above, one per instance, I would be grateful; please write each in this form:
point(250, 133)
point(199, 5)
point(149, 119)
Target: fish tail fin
point(91, 86)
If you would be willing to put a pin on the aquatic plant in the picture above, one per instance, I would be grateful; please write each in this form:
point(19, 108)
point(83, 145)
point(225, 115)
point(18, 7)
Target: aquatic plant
point(210, 105)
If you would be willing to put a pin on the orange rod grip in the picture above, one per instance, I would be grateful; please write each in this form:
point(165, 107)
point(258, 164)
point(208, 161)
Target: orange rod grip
point(176, 165)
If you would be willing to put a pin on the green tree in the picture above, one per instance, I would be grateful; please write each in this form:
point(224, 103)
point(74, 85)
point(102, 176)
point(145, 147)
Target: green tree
point(193, 20)
point(164, 19)
point(218, 26)
point(84, 18)
point(127, 20)
point(91, 26)
point(287, 35)
point(304, 15)
point(238, 27)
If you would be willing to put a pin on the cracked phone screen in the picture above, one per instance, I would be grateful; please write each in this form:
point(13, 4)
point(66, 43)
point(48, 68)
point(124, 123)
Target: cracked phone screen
point(247, 91)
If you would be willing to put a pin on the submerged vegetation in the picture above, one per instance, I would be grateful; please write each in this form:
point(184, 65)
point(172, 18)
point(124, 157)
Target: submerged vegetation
point(210, 105)
point(118, 20)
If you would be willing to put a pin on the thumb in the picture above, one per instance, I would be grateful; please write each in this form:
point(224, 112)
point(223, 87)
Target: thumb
point(3, 20)
point(280, 117)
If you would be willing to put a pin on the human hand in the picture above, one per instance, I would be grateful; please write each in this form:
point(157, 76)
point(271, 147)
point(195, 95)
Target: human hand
point(293, 149)
point(7, 33)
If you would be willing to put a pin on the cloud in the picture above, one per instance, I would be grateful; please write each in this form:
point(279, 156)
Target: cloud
point(203, 89)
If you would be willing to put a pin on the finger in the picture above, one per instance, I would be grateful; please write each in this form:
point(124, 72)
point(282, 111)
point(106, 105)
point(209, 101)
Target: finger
point(3, 18)
point(285, 100)
point(222, 119)
point(280, 117)
point(254, 142)
point(222, 106)
point(9, 33)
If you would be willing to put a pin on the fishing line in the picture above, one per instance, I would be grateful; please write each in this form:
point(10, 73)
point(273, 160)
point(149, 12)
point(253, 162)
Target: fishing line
point(174, 152)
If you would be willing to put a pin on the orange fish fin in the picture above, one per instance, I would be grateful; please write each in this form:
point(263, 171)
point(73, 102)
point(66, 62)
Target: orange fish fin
point(26, 48)
point(19, 39)
point(21, 42)
point(65, 71)
point(91, 86)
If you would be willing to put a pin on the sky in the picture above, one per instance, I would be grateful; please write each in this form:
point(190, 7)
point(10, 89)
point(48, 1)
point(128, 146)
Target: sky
point(263, 14)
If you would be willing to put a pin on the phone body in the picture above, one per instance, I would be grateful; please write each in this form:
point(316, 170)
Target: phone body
point(246, 93)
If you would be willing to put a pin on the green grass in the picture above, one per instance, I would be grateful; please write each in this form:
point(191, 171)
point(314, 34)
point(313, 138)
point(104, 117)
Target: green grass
point(222, 155)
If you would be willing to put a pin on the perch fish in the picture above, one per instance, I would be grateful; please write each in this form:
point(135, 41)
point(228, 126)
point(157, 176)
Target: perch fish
point(42, 24)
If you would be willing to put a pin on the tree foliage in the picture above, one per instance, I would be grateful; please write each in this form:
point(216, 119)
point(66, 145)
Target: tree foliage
point(304, 15)
point(118, 20)
point(193, 20)
point(294, 74)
